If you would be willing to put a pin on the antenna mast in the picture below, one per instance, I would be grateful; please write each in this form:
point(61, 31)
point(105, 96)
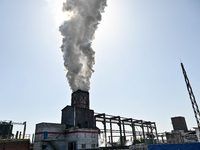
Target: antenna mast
point(192, 98)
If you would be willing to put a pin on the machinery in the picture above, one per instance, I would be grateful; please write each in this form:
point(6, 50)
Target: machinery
point(192, 97)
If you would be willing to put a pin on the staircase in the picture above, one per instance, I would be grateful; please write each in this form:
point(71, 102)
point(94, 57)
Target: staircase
point(52, 140)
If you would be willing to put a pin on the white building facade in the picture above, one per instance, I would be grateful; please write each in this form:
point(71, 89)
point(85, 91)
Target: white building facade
point(51, 136)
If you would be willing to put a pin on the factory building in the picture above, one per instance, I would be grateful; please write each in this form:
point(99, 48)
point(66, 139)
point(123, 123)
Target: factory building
point(180, 132)
point(57, 136)
point(77, 129)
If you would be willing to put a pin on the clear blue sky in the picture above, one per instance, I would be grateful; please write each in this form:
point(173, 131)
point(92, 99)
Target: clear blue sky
point(138, 45)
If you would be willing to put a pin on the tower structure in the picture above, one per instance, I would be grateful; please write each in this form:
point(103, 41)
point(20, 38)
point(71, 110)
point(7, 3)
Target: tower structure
point(192, 97)
point(78, 114)
point(76, 131)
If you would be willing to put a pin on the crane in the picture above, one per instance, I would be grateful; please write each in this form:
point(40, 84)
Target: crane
point(192, 97)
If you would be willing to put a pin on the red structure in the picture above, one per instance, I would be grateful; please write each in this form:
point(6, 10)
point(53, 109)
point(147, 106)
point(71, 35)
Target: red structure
point(14, 144)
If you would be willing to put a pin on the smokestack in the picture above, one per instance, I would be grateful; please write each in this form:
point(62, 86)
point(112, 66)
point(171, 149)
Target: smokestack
point(78, 34)
point(78, 114)
point(80, 99)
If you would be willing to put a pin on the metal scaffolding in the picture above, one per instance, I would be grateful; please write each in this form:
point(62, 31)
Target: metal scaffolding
point(147, 130)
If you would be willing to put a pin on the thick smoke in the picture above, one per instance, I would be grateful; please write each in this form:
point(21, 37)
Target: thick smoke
point(78, 33)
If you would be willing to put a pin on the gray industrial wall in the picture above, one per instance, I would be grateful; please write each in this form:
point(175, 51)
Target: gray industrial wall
point(84, 118)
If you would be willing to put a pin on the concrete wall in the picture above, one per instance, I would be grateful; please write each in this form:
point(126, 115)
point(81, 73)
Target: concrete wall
point(87, 137)
point(84, 138)
point(49, 131)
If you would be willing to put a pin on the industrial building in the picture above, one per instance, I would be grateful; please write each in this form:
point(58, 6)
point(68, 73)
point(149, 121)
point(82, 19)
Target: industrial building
point(9, 141)
point(78, 129)
point(180, 132)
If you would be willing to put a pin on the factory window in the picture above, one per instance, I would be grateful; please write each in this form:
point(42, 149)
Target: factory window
point(93, 145)
point(83, 145)
point(45, 135)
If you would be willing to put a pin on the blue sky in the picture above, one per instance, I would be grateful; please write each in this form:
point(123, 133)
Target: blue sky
point(138, 46)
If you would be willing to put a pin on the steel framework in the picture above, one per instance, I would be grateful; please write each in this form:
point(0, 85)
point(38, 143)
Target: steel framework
point(150, 132)
point(192, 97)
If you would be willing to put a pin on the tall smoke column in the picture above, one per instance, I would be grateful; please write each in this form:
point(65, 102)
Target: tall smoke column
point(78, 34)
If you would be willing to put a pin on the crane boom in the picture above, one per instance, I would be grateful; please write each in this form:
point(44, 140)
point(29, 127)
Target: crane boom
point(192, 97)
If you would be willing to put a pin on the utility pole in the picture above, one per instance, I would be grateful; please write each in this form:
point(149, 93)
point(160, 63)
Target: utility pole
point(192, 98)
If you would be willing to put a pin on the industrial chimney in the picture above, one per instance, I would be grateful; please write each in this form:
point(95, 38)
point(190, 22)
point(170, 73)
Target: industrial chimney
point(80, 99)
point(78, 114)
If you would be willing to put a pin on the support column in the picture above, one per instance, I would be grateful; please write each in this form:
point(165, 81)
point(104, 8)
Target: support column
point(156, 131)
point(120, 129)
point(111, 132)
point(16, 136)
point(10, 129)
point(24, 129)
point(133, 131)
point(20, 134)
point(104, 124)
point(162, 139)
point(142, 126)
point(147, 128)
point(152, 132)
point(124, 139)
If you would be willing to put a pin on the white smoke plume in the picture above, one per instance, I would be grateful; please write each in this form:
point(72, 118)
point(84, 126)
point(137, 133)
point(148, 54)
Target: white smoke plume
point(78, 34)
